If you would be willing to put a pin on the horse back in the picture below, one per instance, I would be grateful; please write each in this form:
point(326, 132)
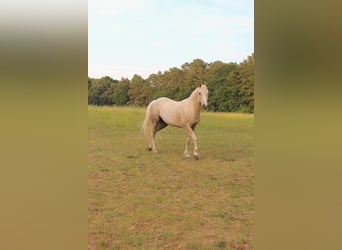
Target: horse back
point(171, 112)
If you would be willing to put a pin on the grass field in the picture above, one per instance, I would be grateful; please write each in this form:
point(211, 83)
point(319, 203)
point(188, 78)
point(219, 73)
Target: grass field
point(141, 200)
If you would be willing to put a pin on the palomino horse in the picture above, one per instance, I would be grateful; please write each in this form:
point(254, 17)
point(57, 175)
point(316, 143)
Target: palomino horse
point(183, 114)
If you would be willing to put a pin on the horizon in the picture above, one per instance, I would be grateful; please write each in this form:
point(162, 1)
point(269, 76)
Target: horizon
point(163, 71)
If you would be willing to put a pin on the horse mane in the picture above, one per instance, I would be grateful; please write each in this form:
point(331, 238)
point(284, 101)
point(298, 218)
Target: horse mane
point(194, 92)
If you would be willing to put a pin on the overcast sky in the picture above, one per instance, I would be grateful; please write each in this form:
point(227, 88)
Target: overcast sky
point(128, 37)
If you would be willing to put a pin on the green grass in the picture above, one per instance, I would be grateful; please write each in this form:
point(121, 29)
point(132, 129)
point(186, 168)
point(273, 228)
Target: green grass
point(141, 200)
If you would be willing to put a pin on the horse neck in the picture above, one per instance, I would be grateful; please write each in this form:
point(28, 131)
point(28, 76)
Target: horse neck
point(195, 102)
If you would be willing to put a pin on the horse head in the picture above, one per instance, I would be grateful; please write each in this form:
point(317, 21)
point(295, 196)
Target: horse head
point(203, 95)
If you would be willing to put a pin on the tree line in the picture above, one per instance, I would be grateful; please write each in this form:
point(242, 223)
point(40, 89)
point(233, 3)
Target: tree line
point(231, 86)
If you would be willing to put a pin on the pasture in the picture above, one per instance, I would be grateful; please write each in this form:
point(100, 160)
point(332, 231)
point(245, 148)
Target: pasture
point(141, 200)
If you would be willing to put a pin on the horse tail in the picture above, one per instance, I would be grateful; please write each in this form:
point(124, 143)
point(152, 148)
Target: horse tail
point(147, 124)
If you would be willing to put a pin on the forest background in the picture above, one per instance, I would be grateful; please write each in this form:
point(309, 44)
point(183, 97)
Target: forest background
point(231, 86)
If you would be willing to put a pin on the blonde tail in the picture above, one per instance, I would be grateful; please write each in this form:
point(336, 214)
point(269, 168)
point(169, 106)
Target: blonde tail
point(147, 124)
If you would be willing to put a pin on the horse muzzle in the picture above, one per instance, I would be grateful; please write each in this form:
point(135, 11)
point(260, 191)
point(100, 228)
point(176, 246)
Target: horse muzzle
point(204, 106)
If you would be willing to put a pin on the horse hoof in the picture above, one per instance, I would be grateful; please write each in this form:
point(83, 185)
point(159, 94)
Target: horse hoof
point(149, 148)
point(187, 155)
point(196, 157)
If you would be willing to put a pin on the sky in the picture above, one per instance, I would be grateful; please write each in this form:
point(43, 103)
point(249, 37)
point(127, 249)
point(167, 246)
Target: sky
point(127, 37)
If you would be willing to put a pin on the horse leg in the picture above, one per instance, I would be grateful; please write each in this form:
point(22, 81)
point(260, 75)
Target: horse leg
point(191, 134)
point(153, 141)
point(186, 151)
point(159, 125)
point(196, 154)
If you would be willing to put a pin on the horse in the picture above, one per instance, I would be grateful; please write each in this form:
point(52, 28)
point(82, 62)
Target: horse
point(183, 114)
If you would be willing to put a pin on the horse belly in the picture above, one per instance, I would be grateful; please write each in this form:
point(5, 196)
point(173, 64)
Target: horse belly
point(171, 116)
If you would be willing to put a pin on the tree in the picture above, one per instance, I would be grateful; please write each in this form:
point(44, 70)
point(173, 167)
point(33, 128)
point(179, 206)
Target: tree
point(244, 80)
point(194, 73)
point(231, 86)
point(120, 96)
point(89, 83)
point(100, 91)
point(173, 84)
point(139, 91)
point(222, 92)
